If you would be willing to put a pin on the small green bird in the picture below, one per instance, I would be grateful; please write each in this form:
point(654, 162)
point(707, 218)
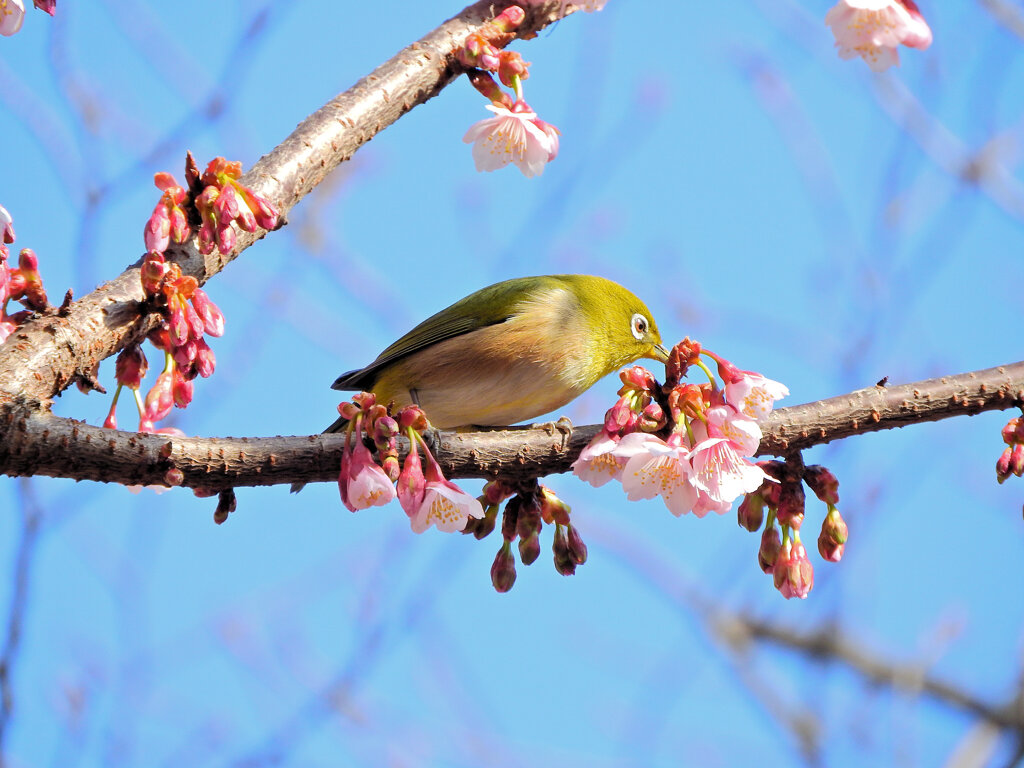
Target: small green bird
point(512, 351)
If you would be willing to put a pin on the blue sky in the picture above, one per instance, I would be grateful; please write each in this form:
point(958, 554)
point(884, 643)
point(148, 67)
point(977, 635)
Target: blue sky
point(793, 212)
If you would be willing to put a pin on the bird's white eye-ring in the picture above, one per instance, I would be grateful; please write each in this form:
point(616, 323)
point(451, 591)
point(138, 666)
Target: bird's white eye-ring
point(639, 326)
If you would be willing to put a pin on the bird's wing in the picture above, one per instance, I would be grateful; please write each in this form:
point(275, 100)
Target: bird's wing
point(464, 316)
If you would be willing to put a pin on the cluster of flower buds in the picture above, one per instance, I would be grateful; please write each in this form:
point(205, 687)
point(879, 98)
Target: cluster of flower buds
point(22, 283)
point(427, 497)
point(782, 553)
point(12, 14)
point(222, 201)
point(526, 512)
point(875, 29)
point(701, 465)
point(211, 201)
point(214, 201)
point(1011, 462)
point(515, 134)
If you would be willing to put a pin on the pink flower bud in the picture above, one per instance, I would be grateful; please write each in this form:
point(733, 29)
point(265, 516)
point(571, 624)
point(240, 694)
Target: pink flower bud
point(185, 354)
point(47, 6)
point(131, 366)
point(226, 238)
point(794, 574)
point(510, 65)
point(177, 325)
point(552, 508)
point(509, 19)
point(266, 214)
point(179, 225)
point(652, 418)
point(152, 273)
point(206, 239)
point(160, 399)
point(529, 549)
point(823, 483)
point(225, 207)
point(28, 267)
point(365, 400)
point(832, 539)
point(205, 359)
point(750, 513)
point(495, 492)
point(503, 570)
point(213, 320)
point(182, 389)
point(194, 322)
point(1003, 464)
point(157, 232)
point(771, 545)
point(1017, 460)
point(620, 418)
point(348, 410)
point(636, 378)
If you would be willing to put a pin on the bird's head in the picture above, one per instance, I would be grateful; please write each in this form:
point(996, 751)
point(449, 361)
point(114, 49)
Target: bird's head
point(621, 327)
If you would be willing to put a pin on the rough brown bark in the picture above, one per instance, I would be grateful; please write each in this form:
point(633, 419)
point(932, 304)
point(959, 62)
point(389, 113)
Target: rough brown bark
point(34, 442)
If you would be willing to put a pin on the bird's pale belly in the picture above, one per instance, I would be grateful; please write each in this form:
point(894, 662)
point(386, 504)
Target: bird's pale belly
point(478, 398)
point(484, 387)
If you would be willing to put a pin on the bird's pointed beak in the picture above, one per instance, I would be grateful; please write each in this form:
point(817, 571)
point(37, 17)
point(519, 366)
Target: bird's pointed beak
point(659, 353)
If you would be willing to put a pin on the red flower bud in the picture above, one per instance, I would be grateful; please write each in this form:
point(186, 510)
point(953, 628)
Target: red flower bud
point(131, 366)
point(529, 549)
point(503, 570)
point(771, 545)
point(564, 563)
point(823, 483)
point(577, 549)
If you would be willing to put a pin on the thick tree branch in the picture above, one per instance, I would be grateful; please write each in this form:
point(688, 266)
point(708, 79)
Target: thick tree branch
point(45, 355)
point(34, 442)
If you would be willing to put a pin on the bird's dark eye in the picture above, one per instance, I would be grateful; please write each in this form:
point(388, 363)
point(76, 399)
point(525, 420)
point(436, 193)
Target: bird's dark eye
point(639, 326)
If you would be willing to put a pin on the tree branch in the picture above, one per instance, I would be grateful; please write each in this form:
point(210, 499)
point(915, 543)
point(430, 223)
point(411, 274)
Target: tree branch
point(35, 442)
point(46, 354)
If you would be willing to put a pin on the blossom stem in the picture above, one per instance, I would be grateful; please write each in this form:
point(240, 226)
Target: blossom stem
point(700, 364)
point(517, 87)
point(138, 402)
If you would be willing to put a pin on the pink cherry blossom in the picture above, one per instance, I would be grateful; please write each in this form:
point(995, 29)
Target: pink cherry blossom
point(725, 421)
point(659, 468)
point(722, 473)
point(753, 395)
point(368, 485)
point(444, 504)
point(12, 14)
point(511, 136)
point(874, 30)
point(605, 457)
